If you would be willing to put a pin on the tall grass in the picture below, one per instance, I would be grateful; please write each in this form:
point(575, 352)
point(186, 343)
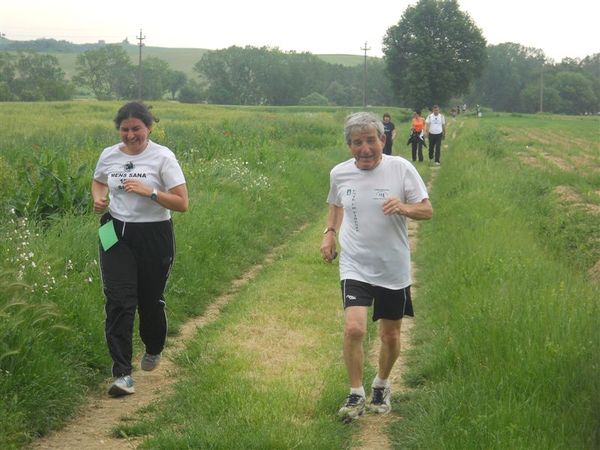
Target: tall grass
point(507, 353)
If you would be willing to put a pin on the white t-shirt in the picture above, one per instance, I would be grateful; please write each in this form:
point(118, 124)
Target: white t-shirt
point(156, 166)
point(436, 123)
point(375, 247)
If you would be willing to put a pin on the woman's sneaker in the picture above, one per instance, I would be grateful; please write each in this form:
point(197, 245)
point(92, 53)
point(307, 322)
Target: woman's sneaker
point(150, 362)
point(122, 386)
point(353, 407)
point(381, 400)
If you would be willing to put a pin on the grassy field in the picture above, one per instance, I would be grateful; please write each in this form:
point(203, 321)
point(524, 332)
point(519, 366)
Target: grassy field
point(506, 352)
point(506, 341)
point(182, 59)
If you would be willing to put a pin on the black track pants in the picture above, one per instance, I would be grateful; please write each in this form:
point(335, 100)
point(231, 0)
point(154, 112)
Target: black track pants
point(134, 275)
point(417, 145)
point(435, 146)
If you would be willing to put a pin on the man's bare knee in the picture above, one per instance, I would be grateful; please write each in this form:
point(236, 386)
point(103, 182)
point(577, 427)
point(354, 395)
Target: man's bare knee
point(390, 337)
point(354, 331)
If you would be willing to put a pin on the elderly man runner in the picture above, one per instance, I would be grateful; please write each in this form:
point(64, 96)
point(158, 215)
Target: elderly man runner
point(370, 197)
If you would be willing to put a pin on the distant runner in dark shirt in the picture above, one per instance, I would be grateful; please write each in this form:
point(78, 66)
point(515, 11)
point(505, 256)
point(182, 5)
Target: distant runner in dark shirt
point(390, 133)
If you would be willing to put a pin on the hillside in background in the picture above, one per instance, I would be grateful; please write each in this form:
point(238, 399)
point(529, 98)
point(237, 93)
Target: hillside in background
point(182, 59)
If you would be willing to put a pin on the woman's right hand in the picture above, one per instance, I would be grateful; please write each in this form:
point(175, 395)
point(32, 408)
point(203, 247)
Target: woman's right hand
point(100, 196)
point(100, 205)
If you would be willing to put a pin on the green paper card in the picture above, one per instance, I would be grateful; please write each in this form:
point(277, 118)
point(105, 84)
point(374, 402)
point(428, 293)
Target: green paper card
point(107, 234)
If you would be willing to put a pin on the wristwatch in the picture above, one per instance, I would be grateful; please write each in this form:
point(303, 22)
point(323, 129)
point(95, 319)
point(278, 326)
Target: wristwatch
point(328, 229)
point(154, 195)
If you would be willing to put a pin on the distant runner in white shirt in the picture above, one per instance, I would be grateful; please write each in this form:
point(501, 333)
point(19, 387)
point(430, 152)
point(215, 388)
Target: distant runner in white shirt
point(370, 198)
point(435, 129)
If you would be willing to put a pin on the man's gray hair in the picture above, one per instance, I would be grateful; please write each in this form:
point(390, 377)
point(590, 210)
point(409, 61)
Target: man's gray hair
point(362, 121)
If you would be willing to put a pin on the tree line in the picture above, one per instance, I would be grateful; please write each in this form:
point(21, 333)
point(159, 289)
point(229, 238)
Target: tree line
point(520, 79)
point(435, 54)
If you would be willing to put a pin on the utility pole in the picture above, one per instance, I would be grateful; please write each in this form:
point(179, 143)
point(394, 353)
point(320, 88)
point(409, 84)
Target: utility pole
point(542, 88)
point(365, 48)
point(140, 44)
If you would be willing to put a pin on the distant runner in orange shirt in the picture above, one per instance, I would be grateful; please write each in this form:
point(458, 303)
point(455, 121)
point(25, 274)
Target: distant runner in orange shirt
point(417, 126)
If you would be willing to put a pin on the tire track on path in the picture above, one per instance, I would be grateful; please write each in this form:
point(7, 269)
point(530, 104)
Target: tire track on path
point(92, 428)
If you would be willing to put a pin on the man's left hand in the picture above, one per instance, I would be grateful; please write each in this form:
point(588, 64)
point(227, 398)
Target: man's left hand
point(393, 205)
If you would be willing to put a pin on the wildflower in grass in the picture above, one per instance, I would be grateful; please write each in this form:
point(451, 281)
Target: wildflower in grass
point(23, 258)
point(236, 171)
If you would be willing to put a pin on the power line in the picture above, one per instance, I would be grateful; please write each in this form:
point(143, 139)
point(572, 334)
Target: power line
point(140, 44)
point(365, 48)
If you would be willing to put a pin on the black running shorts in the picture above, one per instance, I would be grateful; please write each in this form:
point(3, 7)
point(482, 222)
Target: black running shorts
point(388, 304)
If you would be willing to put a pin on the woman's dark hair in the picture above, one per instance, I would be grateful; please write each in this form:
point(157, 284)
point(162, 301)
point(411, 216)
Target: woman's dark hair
point(135, 110)
point(418, 111)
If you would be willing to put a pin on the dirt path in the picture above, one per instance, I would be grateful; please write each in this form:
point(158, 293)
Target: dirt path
point(372, 434)
point(92, 428)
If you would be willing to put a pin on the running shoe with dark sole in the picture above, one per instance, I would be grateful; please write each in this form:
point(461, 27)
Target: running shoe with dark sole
point(353, 408)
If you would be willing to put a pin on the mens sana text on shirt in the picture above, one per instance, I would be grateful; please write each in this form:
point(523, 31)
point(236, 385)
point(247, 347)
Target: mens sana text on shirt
point(128, 175)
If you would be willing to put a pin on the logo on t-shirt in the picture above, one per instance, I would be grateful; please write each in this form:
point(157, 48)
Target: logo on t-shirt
point(381, 194)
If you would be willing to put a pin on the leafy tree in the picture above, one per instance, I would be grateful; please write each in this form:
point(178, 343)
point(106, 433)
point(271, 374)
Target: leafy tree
point(433, 53)
point(192, 92)
point(509, 68)
point(7, 76)
point(590, 66)
point(530, 99)
point(224, 69)
point(107, 71)
point(175, 81)
point(576, 93)
point(338, 94)
point(155, 78)
point(31, 77)
point(7, 67)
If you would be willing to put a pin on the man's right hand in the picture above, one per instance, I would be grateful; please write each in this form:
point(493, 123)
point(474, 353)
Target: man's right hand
point(328, 251)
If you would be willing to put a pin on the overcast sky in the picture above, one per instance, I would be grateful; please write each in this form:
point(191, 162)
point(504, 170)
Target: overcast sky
point(560, 28)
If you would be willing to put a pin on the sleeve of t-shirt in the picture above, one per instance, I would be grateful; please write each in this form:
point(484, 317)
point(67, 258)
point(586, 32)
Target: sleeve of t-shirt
point(415, 190)
point(332, 196)
point(171, 173)
point(100, 173)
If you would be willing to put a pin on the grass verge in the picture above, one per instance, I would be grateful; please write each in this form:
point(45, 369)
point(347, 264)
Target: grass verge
point(506, 353)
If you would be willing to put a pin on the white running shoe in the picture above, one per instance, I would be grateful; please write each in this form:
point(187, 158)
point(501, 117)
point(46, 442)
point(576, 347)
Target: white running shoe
point(122, 386)
point(353, 408)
